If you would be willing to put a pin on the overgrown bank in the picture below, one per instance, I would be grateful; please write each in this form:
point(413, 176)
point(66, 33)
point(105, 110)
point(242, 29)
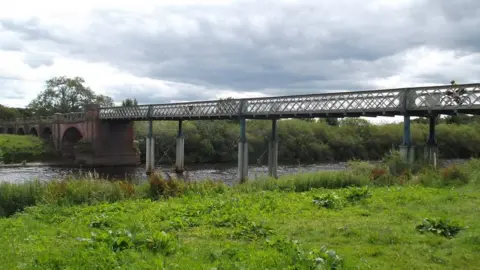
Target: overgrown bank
point(307, 141)
point(310, 221)
point(18, 148)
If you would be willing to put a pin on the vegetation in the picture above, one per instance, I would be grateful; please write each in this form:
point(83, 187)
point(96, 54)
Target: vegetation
point(327, 220)
point(65, 95)
point(17, 148)
point(307, 141)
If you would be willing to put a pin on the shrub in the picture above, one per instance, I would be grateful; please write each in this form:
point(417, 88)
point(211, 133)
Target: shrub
point(159, 187)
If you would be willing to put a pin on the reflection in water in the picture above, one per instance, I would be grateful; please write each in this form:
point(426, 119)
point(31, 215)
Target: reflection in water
point(226, 173)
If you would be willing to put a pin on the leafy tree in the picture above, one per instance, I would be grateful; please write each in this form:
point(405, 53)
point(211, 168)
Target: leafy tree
point(129, 102)
point(331, 121)
point(8, 113)
point(65, 95)
point(104, 101)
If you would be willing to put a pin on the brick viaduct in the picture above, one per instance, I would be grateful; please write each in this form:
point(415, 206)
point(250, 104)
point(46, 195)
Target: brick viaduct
point(82, 137)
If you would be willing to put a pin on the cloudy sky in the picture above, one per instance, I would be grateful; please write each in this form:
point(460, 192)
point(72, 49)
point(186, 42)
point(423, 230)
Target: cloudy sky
point(179, 50)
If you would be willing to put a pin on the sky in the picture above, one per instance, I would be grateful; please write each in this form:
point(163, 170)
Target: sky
point(185, 50)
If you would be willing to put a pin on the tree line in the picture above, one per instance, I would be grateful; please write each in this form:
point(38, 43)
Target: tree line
point(310, 141)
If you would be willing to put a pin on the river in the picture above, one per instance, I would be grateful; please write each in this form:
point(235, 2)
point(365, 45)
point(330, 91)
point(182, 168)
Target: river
point(226, 173)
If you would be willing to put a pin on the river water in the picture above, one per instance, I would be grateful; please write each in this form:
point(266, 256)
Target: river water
point(225, 173)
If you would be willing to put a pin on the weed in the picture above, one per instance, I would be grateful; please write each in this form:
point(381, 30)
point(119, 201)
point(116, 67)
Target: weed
point(440, 227)
point(328, 200)
point(357, 194)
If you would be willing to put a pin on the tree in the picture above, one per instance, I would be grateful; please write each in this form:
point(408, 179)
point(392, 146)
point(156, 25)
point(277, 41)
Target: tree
point(129, 102)
point(104, 101)
point(8, 113)
point(331, 121)
point(66, 95)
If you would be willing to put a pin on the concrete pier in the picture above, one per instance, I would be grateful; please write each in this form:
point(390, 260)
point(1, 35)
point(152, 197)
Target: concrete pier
point(406, 149)
point(180, 150)
point(273, 151)
point(431, 147)
point(150, 150)
point(243, 153)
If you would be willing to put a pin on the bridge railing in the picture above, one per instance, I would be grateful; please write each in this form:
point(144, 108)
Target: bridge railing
point(436, 98)
point(378, 102)
point(67, 117)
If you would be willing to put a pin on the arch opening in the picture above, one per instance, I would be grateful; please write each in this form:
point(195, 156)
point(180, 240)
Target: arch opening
point(20, 131)
point(46, 133)
point(10, 130)
point(33, 132)
point(69, 139)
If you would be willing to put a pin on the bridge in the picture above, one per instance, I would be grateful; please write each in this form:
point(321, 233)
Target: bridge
point(104, 136)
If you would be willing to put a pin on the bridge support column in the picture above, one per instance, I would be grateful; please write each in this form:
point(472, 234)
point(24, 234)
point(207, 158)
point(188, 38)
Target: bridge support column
point(180, 150)
point(150, 150)
point(243, 153)
point(431, 148)
point(407, 150)
point(273, 151)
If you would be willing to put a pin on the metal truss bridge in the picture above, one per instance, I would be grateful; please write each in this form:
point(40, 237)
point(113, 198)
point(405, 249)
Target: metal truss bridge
point(417, 101)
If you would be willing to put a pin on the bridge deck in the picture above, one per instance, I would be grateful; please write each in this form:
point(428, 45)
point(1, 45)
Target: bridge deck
point(416, 101)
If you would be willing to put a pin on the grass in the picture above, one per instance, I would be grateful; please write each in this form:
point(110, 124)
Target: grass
point(18, 148)
point(328, 220)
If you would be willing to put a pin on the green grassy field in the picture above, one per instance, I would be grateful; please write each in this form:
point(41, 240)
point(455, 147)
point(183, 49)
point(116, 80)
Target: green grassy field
point(297, 222)
point(17, 148)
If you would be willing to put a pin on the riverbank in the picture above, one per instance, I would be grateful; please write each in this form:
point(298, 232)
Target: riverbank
point(367, 217)
point(19, 149)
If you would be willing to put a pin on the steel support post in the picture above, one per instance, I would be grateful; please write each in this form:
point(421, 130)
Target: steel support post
point(431, 147)
point(273, 151)
point(150, 149)
point(180, 150)
point(407, 150)
point(243, 153)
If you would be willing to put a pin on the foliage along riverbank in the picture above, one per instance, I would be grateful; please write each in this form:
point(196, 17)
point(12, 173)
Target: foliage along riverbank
point(308, 141)
point(386, 216)
point(19, 148)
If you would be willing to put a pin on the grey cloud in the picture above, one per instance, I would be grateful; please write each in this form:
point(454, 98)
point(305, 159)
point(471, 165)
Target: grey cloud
point(38, 60)
point(270, 46)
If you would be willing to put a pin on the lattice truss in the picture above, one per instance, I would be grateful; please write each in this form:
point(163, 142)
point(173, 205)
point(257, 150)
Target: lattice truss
point(437, 98)
point(426, 98)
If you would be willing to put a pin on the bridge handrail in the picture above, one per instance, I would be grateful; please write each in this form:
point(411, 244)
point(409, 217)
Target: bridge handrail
point(381, 100)
point(395, 99)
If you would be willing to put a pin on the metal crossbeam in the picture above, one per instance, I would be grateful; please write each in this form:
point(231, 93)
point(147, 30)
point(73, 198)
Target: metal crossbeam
point(419, 100)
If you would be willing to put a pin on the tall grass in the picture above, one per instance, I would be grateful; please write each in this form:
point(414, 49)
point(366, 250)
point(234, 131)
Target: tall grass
point(90, 189)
